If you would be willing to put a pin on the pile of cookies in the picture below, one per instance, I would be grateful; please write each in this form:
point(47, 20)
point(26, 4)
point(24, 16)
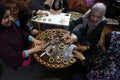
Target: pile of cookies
point(53, 55)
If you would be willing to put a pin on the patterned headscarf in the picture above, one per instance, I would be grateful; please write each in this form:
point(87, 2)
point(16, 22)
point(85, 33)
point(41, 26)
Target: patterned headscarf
point(98, 7)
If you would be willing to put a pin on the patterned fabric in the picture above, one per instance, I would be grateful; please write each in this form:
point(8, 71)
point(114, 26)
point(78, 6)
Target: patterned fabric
point(108, 67)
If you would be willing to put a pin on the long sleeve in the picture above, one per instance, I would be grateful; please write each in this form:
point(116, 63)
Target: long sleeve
point(74, 23)
point(12, 43)
point(91, 39)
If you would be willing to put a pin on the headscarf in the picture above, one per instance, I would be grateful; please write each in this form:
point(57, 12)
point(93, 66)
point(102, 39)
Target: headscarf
point(98, 7)
point(3, 9)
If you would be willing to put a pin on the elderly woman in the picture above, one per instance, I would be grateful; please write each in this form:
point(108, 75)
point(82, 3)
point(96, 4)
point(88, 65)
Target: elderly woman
point(15, 51)
point(56, 6)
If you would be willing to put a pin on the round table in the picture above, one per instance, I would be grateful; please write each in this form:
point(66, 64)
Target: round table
point(54, 55)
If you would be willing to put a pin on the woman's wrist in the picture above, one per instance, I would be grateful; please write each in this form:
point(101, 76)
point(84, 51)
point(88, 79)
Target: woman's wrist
point(32, 50)
point(30, 38)
point(73, 40)
point(25, 53)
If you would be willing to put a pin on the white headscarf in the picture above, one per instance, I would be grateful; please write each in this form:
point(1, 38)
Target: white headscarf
point(98, 7)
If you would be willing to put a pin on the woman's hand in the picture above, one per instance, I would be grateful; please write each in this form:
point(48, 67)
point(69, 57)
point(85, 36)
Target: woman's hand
point(67, 35)
point(39, 48)
point(70, 40)
point(81, 47)
point(78, 55)
point(59, 11)
point(67, 38)
point(36, 48)
point(35, 32)
point(38, 42)
point(55, 12)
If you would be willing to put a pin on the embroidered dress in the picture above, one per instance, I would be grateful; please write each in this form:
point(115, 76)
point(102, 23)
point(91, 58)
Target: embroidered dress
point(108, 67)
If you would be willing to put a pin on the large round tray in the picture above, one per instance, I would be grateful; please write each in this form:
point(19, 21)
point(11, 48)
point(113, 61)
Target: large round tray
point(54, 55)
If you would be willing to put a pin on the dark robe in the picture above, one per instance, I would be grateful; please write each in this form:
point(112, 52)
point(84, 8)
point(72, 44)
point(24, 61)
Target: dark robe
point(12, 42)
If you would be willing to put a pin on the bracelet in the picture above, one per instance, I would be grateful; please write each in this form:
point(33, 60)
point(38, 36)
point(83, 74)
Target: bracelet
point(26, 53)
point(30, 38)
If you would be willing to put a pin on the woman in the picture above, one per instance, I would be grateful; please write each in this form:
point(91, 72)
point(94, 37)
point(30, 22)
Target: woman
point(24, 17)
point(89, 33)
point(108, 62)
point(56, 6)
point(14, 48)
point(87, 36)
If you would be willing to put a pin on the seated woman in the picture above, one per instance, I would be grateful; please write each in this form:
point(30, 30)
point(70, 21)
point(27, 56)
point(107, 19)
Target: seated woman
point(89, 33)
point(56, 6)
point(87, 36)
point(15, 50)
point(108, 62)
point(24, 17)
